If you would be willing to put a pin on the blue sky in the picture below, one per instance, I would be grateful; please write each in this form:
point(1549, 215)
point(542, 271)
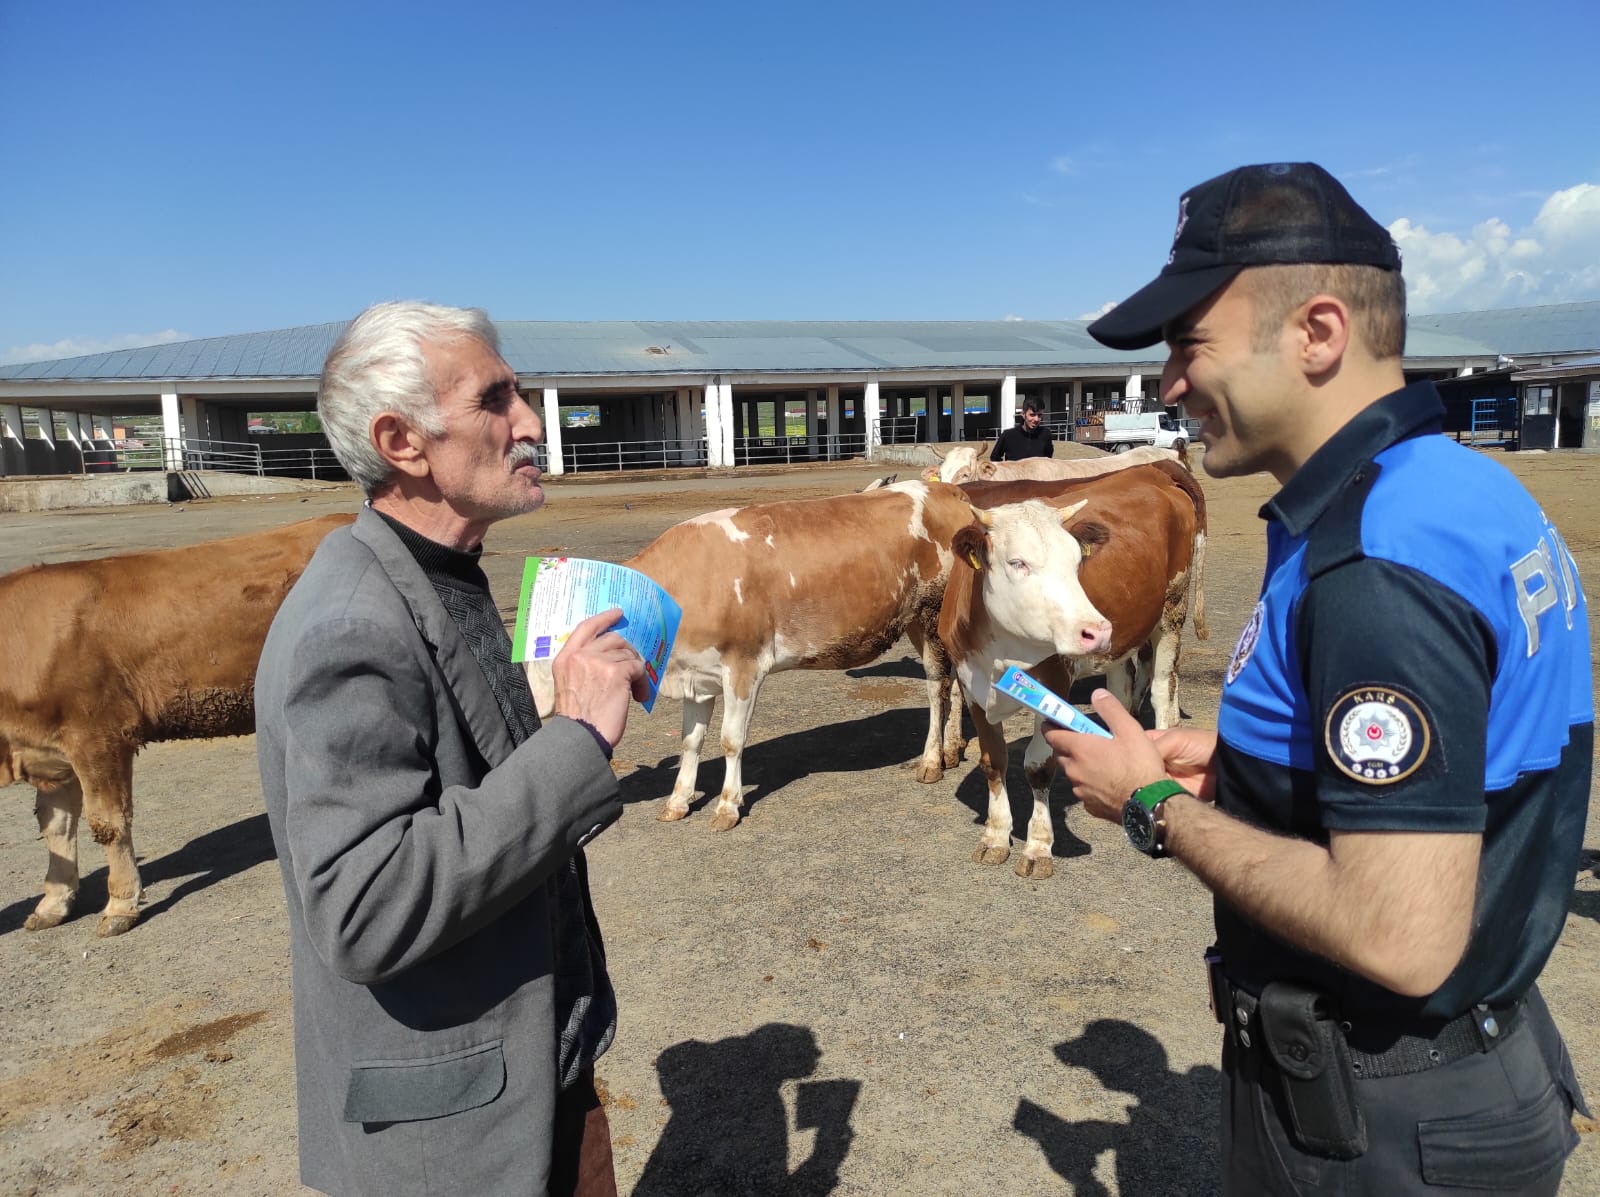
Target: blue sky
point(177, 170)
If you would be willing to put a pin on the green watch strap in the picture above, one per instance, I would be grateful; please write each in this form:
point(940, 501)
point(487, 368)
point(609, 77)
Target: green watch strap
point(1156, 792)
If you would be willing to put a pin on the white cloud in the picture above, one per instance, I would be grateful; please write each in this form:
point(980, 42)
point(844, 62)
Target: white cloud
point(79, 346)
point(1011, 318)
point(1555, 259)
point(1099, 311)
point(1063, 164)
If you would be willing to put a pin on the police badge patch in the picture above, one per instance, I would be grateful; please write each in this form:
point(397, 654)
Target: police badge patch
point(1377, 734)
point(1246, 645)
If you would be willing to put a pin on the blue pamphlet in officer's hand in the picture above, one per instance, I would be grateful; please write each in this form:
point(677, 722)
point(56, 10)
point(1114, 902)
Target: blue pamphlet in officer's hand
point(1031, 693)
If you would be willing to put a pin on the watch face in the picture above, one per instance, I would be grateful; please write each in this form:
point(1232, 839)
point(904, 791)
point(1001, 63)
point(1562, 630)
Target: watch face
point(1139, 825)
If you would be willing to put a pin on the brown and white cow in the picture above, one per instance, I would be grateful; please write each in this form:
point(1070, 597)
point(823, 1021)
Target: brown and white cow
point(965, 464)
point(103, 657)
point(1143, 537)
point(832, 583)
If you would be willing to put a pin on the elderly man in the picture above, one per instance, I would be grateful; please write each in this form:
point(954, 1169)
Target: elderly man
point(450, 989)
point(1391, 807)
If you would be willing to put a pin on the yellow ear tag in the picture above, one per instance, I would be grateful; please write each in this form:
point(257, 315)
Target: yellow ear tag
point(972, 560)
point(1087, 548)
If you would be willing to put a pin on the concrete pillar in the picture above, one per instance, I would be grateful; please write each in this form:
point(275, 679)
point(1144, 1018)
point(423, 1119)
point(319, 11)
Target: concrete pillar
point(725, 413)
point(958, 410)
point(192, 419)
point(47, 424)
point(13, 453)
point(1008, 402)
point(550, 407)
point(812, 415)
point(835, 421)
point(11, 424)
point(683, 407)
point(873, 410)
point(713, 417)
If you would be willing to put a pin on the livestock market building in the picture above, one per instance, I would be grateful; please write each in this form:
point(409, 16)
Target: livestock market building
point(620, 395)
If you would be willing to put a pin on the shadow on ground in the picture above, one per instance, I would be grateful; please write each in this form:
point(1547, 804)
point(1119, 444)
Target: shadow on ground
point(973, 792)
point(729, 1129)
point(1168, 1144)
point(204, 860)
point(873, 742)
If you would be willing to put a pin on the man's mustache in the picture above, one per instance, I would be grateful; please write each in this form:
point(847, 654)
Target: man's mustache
point(524, 453)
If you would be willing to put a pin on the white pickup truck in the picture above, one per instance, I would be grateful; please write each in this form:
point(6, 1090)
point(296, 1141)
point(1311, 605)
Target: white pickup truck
point(1122, 431)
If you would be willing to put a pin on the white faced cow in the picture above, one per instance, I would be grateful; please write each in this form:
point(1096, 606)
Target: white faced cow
point(1142, 533)
point(831, 584)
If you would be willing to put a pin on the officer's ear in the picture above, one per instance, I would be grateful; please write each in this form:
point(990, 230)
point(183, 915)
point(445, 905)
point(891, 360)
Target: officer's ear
point(1322, 328)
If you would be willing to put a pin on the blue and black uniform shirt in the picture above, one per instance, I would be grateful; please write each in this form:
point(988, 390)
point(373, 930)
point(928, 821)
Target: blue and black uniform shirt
point(1418, 661)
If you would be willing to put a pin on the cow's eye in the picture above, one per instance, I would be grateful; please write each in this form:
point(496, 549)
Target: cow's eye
point(1018, 564)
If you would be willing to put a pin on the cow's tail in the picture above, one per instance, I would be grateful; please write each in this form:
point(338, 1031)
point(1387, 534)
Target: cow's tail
point(1190, 485)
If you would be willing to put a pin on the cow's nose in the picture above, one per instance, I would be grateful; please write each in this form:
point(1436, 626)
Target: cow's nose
point(1096, 637)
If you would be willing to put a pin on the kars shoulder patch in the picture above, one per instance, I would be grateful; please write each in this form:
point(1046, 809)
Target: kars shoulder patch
point(1378, 735)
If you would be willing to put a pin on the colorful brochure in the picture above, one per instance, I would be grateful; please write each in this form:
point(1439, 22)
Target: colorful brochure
point(560, 592)
point(1030, 693)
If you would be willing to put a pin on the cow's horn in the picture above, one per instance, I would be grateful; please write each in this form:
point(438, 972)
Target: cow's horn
point(1068, 512)
point(935, 451)
point(983, 517)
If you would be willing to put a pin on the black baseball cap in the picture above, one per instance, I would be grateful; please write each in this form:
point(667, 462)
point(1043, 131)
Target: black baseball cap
point(1285, 213)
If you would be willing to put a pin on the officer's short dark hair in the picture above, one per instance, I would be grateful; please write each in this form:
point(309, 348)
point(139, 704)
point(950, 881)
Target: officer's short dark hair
point(1032, 403)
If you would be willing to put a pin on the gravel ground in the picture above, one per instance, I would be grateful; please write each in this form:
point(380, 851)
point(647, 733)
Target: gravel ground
point(829, 998)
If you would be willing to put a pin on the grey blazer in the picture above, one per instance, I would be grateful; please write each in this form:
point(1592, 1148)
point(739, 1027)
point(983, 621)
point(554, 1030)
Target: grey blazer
point(415, 843)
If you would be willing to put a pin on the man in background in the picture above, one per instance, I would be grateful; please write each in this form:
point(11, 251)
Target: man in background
point(1028, 439)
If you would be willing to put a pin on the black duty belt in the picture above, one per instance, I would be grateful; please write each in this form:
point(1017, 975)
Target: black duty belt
point(1378, 1049)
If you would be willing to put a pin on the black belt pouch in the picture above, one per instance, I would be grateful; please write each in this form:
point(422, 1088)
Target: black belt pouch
point(1314, 1061)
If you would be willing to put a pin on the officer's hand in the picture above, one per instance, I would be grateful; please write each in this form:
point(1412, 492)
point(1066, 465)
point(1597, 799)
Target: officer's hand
point(1104, 772)
point(1190, 755)
point(595, 674)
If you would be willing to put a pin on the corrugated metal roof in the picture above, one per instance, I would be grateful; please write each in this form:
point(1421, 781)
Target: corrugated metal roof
point(555, 348)
point(1552, 328)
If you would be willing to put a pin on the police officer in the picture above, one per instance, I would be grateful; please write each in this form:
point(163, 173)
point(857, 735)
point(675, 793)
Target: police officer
point(1391, 808)
point(1029, 439)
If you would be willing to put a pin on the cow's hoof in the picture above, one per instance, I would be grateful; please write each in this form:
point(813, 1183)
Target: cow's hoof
point(1039, 869)
point(115, 924)
point(928, 774)
point(984, 854)
point(44, 920)
point(724, 821)
point(671, 814)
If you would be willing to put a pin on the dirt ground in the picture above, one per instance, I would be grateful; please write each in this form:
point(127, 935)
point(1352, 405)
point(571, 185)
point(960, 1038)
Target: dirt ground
point(829, 998)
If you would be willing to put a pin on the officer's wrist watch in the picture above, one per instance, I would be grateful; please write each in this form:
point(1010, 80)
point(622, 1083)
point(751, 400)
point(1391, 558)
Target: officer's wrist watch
point(1143, 815)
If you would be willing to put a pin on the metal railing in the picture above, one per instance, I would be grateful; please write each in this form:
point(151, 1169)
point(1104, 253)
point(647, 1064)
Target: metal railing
point(628, 455)
point(772, 450)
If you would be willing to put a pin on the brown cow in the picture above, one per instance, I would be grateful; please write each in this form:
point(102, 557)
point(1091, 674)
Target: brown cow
point(103, 657)
point(830, 584)
point(1143, 535)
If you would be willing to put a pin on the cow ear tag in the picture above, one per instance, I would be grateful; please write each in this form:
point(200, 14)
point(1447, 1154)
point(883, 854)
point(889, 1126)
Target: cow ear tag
point(1086, 548)
point(972, 560)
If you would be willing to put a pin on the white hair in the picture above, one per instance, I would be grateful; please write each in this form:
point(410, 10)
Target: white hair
point(377, 366)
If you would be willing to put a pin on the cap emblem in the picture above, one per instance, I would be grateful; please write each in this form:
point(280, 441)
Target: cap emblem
point(1183, 220)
